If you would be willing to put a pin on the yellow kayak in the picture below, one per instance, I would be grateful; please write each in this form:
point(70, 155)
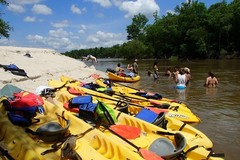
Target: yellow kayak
point(172, 109)
point(135, 93)
point(83, 140)
point(128, 89)
point(152, 137)
point(173, 125)
point(127, 79)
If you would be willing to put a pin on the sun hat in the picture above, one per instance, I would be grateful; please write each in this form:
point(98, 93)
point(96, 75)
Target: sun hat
point(186, 69)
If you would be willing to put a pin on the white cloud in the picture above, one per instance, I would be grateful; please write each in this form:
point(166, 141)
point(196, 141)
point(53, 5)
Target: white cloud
point(103, 39)
point(30, 19)
point(15, 8)
point(7, 42)
point(82, 29)
point(100, 15)
point(59, 39)
point(41, 9)
point(146, 7)
point(58, 33)
point(23, 2)
point(170, 11)
point(61, 24)
point(103, 3)
point(75, 9)
point(35, 38)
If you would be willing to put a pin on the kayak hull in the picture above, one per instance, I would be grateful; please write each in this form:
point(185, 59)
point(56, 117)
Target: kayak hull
point(115, 77)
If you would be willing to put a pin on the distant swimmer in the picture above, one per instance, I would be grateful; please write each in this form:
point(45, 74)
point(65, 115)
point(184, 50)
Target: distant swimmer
point(89, 57)
point(211, 81)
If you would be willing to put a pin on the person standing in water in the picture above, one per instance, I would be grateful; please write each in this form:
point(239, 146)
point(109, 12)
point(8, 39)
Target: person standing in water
point(211, 81)
point(135, 67)
point(181, 79)
point(155, 71)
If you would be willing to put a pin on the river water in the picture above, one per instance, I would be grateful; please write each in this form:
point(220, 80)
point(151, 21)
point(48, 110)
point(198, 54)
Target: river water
point(218, 108)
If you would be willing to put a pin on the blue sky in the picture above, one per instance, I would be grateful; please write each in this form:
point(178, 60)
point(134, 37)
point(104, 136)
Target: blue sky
point(65, 25)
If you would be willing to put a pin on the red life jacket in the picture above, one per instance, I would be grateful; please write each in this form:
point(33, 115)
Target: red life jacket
point(26, 99)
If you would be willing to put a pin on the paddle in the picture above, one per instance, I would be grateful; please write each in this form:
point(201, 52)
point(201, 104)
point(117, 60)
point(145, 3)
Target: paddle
point(149, 155)
point(76, 92)
point(124, 130)
point(146, 154)
point(5, 153)
point(137, 90)
point(128, 132)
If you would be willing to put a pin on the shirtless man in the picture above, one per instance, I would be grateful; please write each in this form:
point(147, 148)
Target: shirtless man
point(211, 80)
point(89, 57)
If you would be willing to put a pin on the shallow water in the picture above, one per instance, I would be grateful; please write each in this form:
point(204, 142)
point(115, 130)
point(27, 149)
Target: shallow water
point(218, 108)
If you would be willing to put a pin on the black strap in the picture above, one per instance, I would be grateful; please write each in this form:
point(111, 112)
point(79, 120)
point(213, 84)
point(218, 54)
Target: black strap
point(5, 153)
point(184, 124)
point(191, 149)
point(212, 154)
point(56, 146)
point(164, 133)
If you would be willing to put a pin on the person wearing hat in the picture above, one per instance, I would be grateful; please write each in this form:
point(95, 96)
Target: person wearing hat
point(135, 67)
point(188, 75)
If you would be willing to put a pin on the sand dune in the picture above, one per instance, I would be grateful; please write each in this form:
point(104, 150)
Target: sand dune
point(44, 64)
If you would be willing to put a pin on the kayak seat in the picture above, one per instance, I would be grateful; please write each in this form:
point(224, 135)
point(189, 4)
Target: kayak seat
point(52, 131)
point(151, 117)
point(166, 149)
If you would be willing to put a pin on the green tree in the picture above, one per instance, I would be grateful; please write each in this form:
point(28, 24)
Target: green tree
point(4, 26)
point(136, 30)
point(192, 20)
point(234, 8)
point(219, 27)
point(135, 49)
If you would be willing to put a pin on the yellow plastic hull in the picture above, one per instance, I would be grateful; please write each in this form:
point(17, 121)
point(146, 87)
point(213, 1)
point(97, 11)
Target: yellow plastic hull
point(93, 145)
point(148, 134)
point(115, 77)
point(176, 110)
point(174, 125)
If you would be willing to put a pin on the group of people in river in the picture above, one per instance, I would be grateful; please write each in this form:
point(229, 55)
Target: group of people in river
point(132, 69)
point(182, 76)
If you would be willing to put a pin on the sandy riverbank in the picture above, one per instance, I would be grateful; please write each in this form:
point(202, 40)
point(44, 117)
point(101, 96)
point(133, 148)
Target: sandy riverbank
point(43, 64)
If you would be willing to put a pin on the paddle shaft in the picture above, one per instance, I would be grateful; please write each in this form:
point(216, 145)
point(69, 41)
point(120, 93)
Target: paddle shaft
point(5, 153)
point(116, 100)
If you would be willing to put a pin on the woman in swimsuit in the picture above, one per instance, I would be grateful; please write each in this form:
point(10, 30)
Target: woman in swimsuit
point(211, 80)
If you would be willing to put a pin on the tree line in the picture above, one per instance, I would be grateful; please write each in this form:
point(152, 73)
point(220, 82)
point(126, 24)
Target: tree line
point(192, 31)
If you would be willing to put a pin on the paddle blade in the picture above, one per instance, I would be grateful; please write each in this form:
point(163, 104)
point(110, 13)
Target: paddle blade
point(75, 92)
point(148, 155)
point(125, 131)
point(157, 110)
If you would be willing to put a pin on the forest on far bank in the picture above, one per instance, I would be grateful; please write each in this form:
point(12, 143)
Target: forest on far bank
point(193, 31)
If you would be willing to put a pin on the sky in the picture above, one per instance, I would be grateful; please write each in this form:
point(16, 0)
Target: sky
point(65, 25)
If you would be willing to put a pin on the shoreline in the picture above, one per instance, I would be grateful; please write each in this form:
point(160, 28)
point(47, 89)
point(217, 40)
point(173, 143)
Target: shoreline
point(44, 64)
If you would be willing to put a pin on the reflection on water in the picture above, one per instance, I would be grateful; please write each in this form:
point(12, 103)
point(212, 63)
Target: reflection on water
point(211, 92)
point(218, 107)
point(181, 94)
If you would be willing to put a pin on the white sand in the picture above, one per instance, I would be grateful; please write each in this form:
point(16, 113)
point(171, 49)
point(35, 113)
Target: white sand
point(45, 64)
